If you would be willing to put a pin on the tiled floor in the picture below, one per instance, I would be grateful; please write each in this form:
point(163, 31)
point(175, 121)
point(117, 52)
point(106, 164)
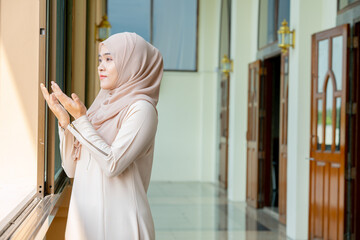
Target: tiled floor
point(186, 211)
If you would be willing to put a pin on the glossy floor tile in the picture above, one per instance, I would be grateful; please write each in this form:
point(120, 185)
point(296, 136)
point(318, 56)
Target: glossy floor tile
point(185, 211)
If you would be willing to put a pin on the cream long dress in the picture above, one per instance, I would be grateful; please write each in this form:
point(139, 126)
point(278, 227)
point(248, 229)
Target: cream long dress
point(109, 199)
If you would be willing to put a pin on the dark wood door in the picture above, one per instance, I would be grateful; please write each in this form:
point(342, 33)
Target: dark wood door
point(253, 134)
point(284, 86)
point(328, 143)
point(353, 168)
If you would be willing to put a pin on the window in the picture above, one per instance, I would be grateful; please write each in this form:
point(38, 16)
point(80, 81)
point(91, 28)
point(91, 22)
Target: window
point(170, 25)
point(28, 133)
point(271, 15)
point(344, 3)
point(19, 63)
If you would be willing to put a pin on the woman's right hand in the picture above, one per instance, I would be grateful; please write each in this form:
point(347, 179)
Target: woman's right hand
point(59, 111)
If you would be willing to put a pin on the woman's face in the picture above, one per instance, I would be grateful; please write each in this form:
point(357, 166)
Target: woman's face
point(107, 70)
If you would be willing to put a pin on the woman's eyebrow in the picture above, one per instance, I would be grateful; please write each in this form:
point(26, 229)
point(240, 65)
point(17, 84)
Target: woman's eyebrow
point(104, 54)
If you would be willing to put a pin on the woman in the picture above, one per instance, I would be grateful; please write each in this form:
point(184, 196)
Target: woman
point(108, 149)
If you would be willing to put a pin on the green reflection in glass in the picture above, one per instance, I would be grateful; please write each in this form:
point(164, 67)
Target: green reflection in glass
point(338, 121)
point(329, 120)
point(319, 124)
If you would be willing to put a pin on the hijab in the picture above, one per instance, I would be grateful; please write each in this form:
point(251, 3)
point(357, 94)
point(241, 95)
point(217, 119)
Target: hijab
point(140, 69)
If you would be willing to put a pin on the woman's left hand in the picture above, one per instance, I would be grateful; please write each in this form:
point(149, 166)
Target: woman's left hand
point(74, 106)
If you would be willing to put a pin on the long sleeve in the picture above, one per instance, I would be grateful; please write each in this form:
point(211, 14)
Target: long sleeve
point(133, 139)
point(66, 147)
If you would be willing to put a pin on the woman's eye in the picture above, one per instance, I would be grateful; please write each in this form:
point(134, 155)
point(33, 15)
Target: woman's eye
point(108, 59)
point(99, 60)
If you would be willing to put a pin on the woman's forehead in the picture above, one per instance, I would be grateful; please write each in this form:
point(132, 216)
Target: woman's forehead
point(103, 50)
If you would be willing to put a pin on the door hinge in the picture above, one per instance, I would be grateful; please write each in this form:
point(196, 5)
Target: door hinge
point(349, 236)
point(351, 108)
point(353, 42)
point(350, 173)
point(260, 199)
point(262, 113)
point(262, 71)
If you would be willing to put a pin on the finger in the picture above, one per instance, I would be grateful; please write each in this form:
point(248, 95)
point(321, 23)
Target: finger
point(44, 92)
point(65, 100)
point(77, 100)
point(54, 100)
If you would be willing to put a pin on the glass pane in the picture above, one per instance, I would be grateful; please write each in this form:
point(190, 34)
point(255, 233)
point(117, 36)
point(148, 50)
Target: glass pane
point(62, 69)
point(224, 45)
point(130, 16)
point(175, 33)
point(338, 121)
point(319, 124)
point(256, 71)
point(323, 63)
point(336, 59)
point(271, 31)
point(329, 120)
point(252, 88)
point(286, 65)
point(344, 3)
point(263, 26)
point(286, 75)
point(284, 12)
point(19, 107)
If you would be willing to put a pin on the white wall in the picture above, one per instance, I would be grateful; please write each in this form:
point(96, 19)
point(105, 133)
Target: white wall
point(185, 141)
point(306, 17)
point(243, 51)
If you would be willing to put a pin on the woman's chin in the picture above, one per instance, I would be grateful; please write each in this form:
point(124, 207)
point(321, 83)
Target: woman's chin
point(103, 85)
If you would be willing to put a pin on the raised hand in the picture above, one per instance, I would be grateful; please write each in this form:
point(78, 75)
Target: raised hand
point(74, 106)
point(59, 111)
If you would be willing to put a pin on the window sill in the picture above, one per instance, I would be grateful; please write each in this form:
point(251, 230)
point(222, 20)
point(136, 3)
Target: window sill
point(36, 219)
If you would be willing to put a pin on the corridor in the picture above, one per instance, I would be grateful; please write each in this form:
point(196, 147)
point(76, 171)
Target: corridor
point(201, 211)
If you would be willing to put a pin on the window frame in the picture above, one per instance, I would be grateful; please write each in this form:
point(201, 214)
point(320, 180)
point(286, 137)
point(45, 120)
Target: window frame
point(197, 36)
point(37, 211)
point(276, 21)
point(348, 7)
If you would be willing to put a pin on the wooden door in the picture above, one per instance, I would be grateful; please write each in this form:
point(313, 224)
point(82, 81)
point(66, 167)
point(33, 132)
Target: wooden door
point(328, 143)
point(253, 135)
point(224, 79)
point(355, 166)
point(284, 86)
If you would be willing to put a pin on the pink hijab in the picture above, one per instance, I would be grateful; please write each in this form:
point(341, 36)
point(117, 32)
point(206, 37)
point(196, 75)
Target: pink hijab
point(140, 69)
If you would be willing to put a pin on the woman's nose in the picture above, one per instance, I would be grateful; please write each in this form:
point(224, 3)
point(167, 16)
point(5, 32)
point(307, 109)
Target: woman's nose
point(101, 67)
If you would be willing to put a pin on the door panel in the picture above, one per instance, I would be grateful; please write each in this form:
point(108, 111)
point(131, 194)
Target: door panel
point(253, 141)
point(284, 86)
point(328, 133)
point(224, 130)
point(224, 79)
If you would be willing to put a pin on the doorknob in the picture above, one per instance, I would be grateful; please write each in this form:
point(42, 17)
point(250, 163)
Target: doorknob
point(310, 159)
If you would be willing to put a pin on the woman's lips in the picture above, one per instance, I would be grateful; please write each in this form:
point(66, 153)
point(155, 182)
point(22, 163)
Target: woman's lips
point(102, 76)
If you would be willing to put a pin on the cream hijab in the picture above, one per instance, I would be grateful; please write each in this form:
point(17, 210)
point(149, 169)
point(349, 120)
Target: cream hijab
point(140, 69)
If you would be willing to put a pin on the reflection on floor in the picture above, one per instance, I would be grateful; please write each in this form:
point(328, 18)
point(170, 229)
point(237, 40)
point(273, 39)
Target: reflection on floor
point(186, 211)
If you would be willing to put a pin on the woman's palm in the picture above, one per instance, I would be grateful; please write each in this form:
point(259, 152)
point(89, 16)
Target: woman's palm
point(59, 111)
